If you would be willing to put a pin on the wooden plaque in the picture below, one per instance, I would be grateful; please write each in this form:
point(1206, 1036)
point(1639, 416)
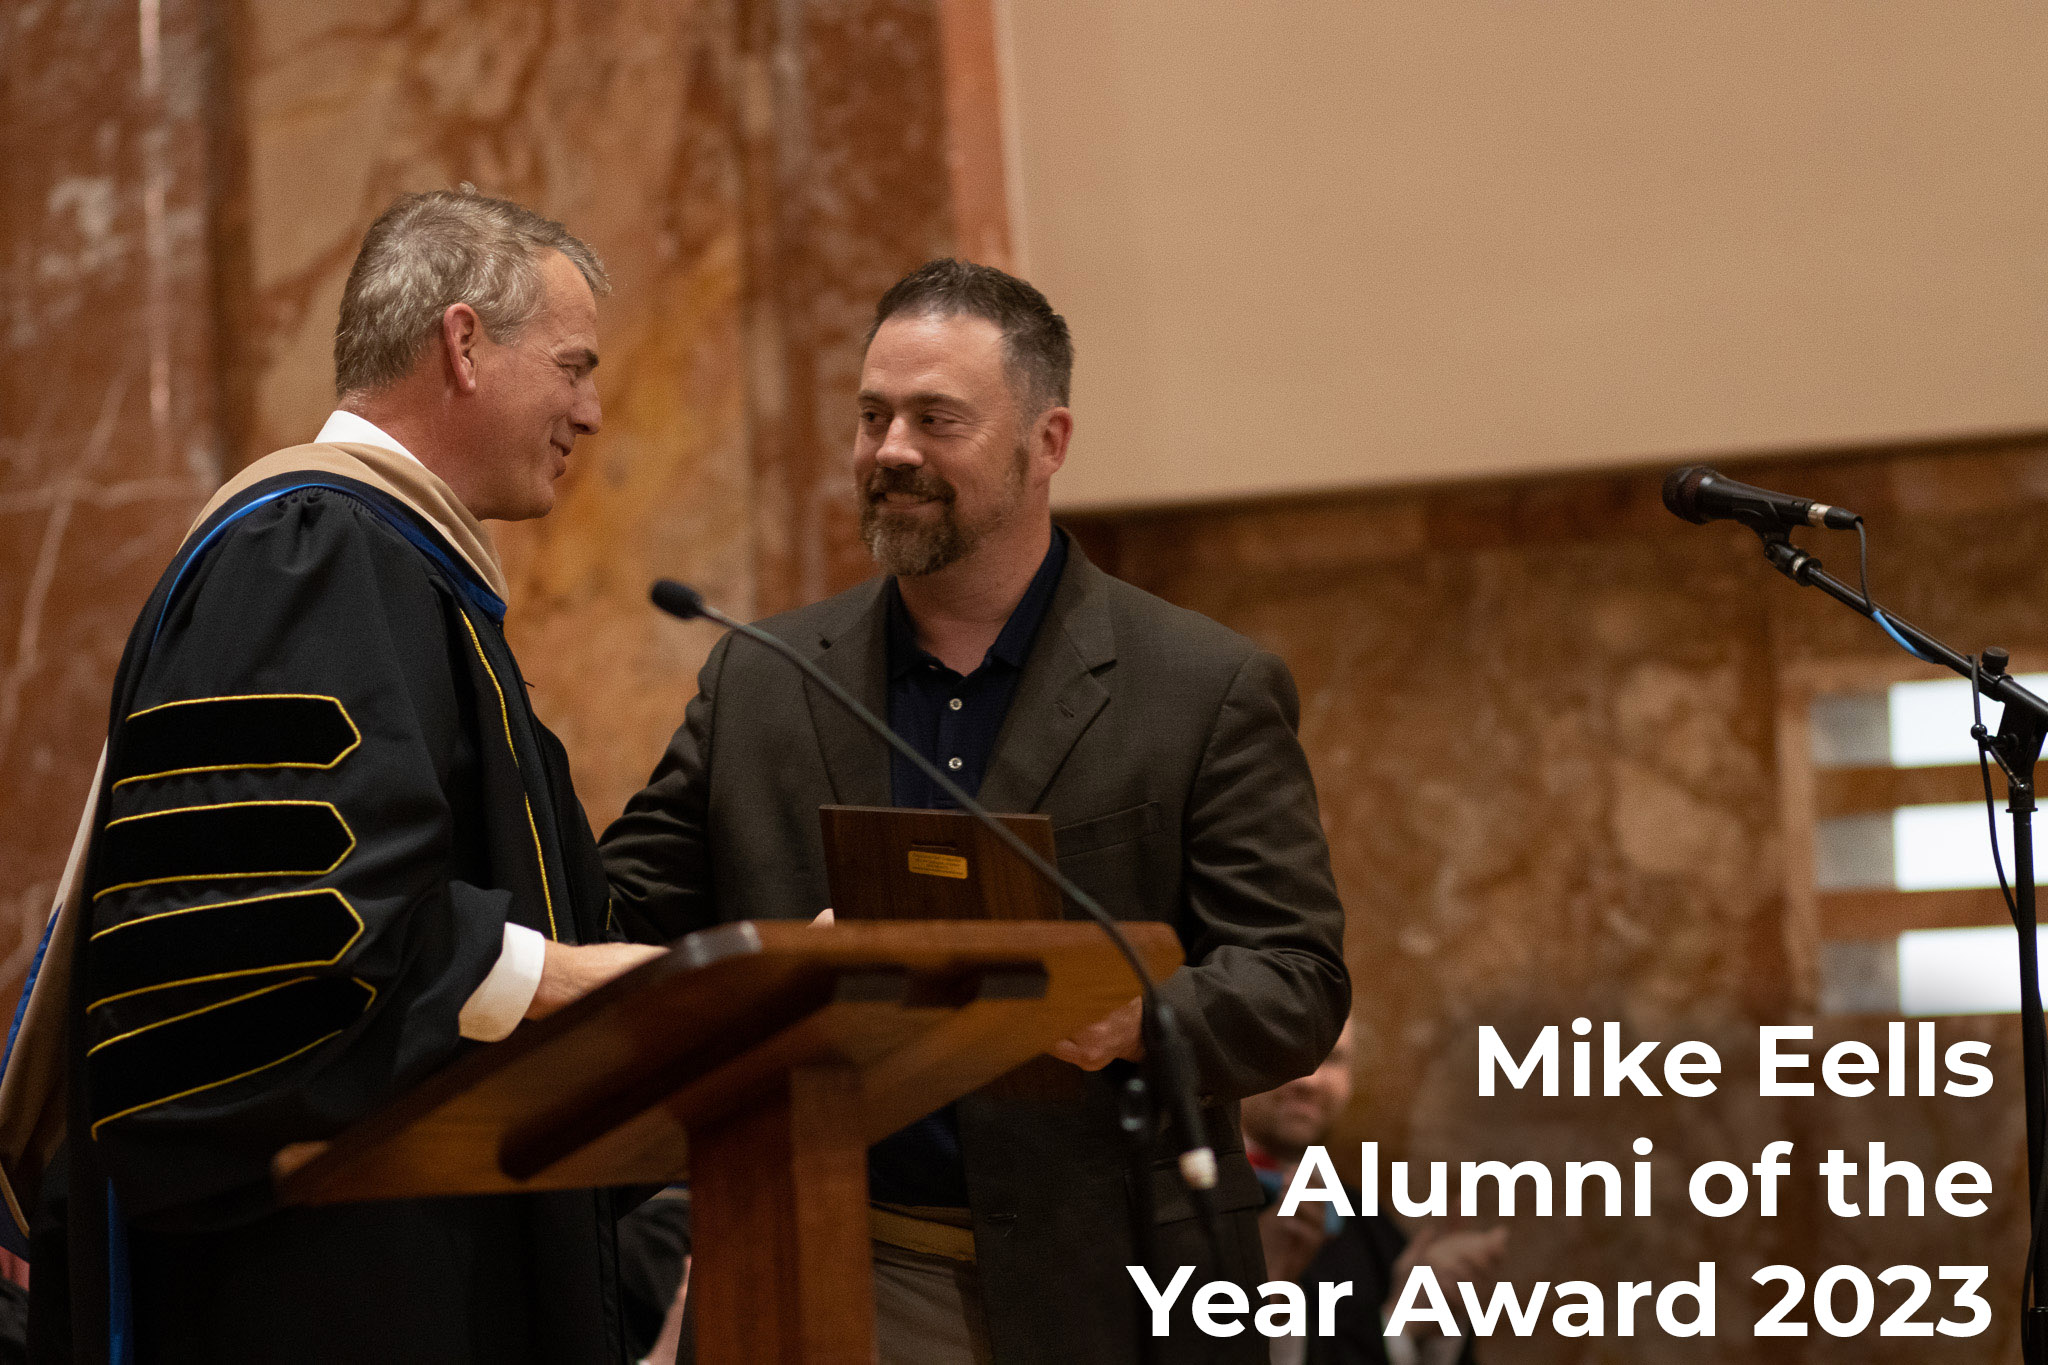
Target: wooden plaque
point(887, 862)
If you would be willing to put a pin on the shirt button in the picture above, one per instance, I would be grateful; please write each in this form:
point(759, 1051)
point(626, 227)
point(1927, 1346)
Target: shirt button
point(955, 703)
point(954, 764)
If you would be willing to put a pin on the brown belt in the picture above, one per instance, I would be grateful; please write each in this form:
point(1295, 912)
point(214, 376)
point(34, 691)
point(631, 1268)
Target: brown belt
point(930, 1232)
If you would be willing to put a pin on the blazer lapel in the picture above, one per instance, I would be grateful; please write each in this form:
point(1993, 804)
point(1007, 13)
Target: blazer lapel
point(857, 658)
point(1059, 693)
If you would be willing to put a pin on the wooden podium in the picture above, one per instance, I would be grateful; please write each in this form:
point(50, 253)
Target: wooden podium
point(758, 1060)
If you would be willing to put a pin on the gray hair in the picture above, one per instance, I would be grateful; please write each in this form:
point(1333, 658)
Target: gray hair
point(428, 251)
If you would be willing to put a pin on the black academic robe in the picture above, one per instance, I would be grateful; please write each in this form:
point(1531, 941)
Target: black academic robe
point(325, 796)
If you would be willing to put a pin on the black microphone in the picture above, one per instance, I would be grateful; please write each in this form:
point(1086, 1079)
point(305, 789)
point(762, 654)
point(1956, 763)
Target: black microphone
point(1198, 1161)
point(679, 600)
point(1701, 495)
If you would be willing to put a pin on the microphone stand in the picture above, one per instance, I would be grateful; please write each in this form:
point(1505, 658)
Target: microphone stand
point(2015, 748)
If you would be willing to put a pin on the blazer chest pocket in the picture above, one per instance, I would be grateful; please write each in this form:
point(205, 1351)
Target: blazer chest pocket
point(1105, 831)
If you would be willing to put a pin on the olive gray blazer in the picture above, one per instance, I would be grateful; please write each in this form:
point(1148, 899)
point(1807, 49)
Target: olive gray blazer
point(1163, 748)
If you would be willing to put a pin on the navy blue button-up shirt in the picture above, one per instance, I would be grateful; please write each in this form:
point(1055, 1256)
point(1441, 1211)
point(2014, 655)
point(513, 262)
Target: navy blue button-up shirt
point(953, 721)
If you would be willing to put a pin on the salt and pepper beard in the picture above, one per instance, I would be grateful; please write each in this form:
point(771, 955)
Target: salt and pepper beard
point(910, 546)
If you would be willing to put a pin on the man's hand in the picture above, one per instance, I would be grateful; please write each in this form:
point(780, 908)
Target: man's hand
point(1467, 1254)
point(1104, 1041)
point(571, 971)
point(1463, 1255)
point(1291, 1242)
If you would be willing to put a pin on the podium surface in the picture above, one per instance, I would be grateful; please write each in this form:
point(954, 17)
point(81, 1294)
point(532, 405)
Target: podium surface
point(759, 1060)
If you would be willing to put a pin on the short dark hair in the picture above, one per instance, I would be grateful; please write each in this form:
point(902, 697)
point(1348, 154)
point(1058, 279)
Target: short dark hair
point(1037, 348)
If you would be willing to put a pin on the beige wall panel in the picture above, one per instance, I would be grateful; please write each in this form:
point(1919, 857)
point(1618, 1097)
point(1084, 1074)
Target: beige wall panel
point(1308, 245)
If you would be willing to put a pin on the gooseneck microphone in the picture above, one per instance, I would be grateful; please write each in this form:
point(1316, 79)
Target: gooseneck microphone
point(681, 601)
point(1700, 495)
point(1198, 1160)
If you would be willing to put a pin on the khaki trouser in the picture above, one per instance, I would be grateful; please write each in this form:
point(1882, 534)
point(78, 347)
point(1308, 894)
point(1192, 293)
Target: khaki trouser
point(928, 1306)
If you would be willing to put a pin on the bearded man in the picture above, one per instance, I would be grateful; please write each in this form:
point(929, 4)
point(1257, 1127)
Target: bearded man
point(1161, 745)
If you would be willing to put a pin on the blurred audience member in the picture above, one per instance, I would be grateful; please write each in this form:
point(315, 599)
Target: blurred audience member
point(1315, 1244)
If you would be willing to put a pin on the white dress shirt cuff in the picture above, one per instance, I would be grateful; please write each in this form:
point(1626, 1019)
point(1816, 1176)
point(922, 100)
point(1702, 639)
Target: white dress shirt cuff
point(495, 1008)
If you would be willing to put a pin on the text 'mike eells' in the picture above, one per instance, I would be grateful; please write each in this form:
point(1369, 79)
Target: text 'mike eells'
point(1161, 745)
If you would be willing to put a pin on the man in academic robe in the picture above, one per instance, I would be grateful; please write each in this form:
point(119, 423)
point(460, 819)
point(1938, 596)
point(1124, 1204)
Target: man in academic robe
point(1163, 748)
point(331, 849)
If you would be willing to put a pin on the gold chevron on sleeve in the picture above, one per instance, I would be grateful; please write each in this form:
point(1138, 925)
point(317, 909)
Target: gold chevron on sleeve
point(223, 734)
point(219, 1044)
point(231, 839)
point(221, 940)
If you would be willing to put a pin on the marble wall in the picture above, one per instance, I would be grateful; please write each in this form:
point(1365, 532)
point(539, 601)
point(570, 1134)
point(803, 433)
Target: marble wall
point(848, 191)
point(108, 443)
point(618, 121)
point(1541, 720)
